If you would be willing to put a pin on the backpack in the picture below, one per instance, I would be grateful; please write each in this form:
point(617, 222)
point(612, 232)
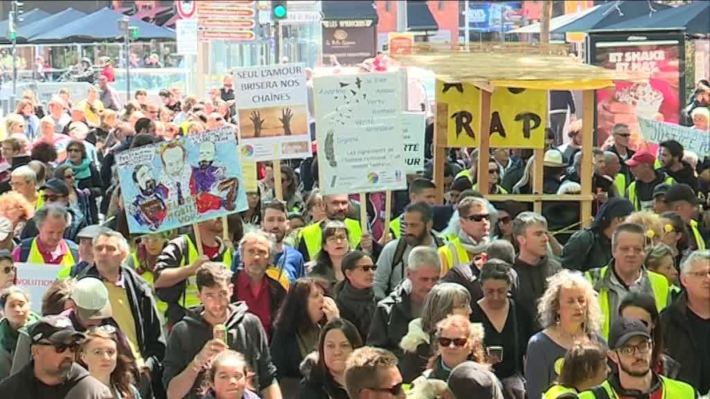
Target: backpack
point(399, 255)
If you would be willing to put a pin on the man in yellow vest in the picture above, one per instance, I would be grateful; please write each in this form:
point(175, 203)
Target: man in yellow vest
point(175, 271)
point(632, 351)
point(626, 273)
point(472, 234)
point(336, 207)
point(420, 190)
point(640, 191)
point(682, 200)
point(48, 247)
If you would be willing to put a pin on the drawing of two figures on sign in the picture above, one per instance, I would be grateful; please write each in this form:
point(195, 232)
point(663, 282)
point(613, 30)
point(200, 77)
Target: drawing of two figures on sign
point(207, 184)
point(258, 121)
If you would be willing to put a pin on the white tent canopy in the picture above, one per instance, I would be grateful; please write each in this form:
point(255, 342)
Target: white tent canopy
point(555, 23)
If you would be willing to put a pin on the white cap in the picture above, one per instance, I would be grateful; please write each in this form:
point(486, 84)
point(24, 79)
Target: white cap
point(91, 298)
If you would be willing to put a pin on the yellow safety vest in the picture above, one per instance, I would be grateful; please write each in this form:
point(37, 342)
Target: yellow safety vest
point(633, 197)
point(696, 234)
point(620, 183)
point(67, 260)
point(313, 236)
point(672, 389)
point(150, 279)
point(454, 253)
point(190, 298)
point(557, 390)
point(395, 227)
point(40, 200)
point(501, 190)
point(464, 173)
point(659, 285)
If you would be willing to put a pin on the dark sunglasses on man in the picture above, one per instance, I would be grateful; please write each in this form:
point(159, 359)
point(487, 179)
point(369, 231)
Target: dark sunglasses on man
point(477, 218)
point(61, 347)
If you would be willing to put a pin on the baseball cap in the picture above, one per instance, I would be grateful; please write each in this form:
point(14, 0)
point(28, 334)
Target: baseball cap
point(58, 186)
point(660, 189)
point(624, 329)
point(91, 298)
point(641, 157)
point(56, 329)
point(5, 228)
point(553, 158)
point(681, 192)
point(473, 380)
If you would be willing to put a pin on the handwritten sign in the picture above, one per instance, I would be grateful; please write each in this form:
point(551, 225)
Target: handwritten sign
point(359, 131)
point(413, 126)
point(185, 181)
point(272, 108)
point(692, 139)
point(517, 120)
point(35, 279)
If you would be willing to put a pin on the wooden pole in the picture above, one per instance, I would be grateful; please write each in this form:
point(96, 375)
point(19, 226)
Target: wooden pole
point(225, 229)
point(537, 182)
point(587, 143)
point(484, 152)
point(363, 212)
point(545, 22)
point(441, 125)
point(388, 213)
point(198, 238)
point(278, 188)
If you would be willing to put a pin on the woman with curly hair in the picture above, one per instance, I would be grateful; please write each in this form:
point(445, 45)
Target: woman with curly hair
point(652, 225)
point(17, 209)
point(569, 313)
point(107, 358)
point(457, 340)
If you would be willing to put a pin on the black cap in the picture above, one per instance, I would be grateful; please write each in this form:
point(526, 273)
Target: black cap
point(473, 380)
point(58, 186)
point(55, 329)
point(681, 192)
point(661, 189)
point(624, 329)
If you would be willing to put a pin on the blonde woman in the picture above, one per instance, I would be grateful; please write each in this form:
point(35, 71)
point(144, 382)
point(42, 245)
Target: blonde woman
point(569, 313)
point(14, 124)
point(652, 226)
point(15, 207)
point(458, 340)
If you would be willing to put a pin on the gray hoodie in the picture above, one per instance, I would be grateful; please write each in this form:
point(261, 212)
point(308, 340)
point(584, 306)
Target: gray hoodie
point(244, 335)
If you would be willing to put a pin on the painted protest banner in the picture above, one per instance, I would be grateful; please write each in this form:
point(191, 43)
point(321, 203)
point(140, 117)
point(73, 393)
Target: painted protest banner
point(692, 139)
point(413, 125)
point(35, 279)
point(272, 108)
point(517, 120)
point(181, 182)
point(359, 132)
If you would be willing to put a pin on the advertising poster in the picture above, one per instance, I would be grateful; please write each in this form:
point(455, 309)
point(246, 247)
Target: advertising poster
point(35, 279)
point(659, 98)
point(178, 183)
point(350, 42)
point(692, 139)
point(400, 43)
point(413, 126)
point(272, 108)
point(359, 133)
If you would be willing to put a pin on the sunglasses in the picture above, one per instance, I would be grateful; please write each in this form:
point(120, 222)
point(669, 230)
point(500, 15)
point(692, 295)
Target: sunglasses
point(9, 269)
point(73, 150)
point(52, 198)
point(477, 218)
point(458, 342)
point(624, 135)
point(496, 171)
point(61, 348)
point(504, 220)
point(394, 390)
point(368, 268)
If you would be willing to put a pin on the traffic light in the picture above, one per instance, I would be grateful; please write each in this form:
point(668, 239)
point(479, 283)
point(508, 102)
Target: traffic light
point(279, 10)
point(133, 31)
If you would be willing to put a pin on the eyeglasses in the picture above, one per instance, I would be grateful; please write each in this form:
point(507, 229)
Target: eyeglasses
point(642, 349)
point(73, 150)
point(458, 342)
point(61, 348)
point(69, 176)
point(477, 218)
point(337, 237)
point(9, 269)
point(394, 390)
point(504, 220)
point(624, 135)
point(106, 328)
point(52, 198)
point(366, 269)
point(700, 274)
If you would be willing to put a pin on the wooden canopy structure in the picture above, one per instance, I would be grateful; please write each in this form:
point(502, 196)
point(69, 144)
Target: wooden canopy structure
point(517, 66)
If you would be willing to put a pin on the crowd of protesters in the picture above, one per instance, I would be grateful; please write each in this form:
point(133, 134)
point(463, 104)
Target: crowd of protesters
point(462, 299)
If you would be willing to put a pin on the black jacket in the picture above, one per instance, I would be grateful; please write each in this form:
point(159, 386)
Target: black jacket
point(316, 384)
point(390, 322)
point(286, 354)
point(277, 294)
point(244, 335)
point(586, 250)
point(94, 185)
point(685, 175)
point(532, 281)
point(464, 274)
point(79, 385)
point(356, 306)
point(679, 341)
point(145, 314)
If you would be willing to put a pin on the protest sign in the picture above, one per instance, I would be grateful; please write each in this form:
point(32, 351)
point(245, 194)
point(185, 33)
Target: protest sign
point(246, 158)
point(692, 139)
point(413, 124)
point(35, 279)
point(178, 183)
point(517, 120)
point(272, 111)
point(359, 131)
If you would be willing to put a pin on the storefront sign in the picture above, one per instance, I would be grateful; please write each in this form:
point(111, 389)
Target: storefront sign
point(350, 42)
point(227, 20)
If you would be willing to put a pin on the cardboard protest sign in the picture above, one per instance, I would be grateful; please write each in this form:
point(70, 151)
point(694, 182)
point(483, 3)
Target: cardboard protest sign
point(35, 279)
point(517, 120)
point(272, 108)
point(692, 139)
point(182, 182)
point(413, 125)
point(246, 159)
point(359, 131)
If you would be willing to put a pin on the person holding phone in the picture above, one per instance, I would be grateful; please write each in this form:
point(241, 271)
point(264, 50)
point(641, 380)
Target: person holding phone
point(507, 326)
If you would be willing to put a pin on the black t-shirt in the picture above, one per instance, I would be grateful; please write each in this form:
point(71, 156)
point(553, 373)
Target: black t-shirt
point(506, 338)
point(700, 328)
point(78, 385)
